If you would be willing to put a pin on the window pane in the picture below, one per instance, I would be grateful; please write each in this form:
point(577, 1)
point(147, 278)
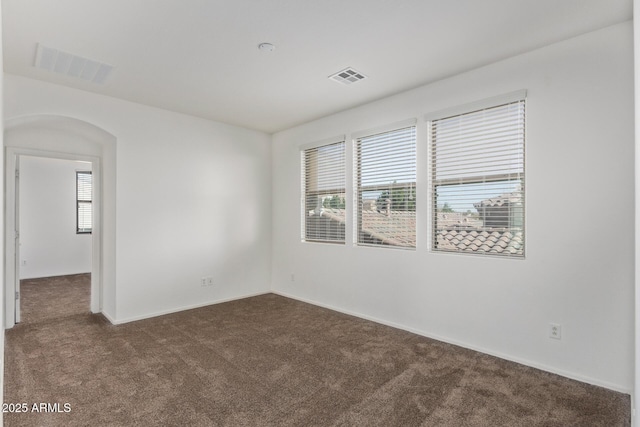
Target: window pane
point(482, 143)
point(84, 216)
point(386, 178)
point(84, 186)
point(83, 202)
point(323, 175)
point(478, 181)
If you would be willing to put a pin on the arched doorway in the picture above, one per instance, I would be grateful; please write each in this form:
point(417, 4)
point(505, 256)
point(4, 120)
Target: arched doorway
point(71, 139)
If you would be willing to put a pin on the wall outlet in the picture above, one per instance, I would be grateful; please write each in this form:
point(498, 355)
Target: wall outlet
point(555, 331)
point(209, 281)
point(24, 262)
point(203, 281)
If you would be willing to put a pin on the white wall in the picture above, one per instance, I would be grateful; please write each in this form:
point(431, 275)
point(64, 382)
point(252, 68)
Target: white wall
point(192, 200)
point(2, 301)
point(579, 264)
point(49, 244)
point(635, 402)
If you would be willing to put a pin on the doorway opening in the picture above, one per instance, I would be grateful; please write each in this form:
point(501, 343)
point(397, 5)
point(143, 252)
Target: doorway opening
point(54, 239)
point(66, 138)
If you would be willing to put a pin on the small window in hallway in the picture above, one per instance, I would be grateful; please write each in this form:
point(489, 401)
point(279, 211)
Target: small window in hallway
point(83, 202)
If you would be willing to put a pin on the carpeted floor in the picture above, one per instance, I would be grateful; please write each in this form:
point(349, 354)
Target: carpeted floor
point(51, 297)
point(273, 361)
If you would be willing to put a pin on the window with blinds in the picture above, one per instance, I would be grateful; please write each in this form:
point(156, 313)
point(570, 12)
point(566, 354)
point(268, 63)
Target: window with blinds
point(323, 183)
point(477, 180)
point(385, 176)
point(83, 202)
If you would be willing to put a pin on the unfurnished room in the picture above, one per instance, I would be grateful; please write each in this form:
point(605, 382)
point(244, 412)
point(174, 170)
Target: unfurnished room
point(320, 213)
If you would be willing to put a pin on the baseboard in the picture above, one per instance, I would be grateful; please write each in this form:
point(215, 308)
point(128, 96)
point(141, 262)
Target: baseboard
point(54, 275)
point(183, 308)
point(107, 316)
point(566, 374)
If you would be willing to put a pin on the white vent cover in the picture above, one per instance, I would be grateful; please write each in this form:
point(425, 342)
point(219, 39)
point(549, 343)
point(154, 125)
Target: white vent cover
point(347, 76)
point(60, 62)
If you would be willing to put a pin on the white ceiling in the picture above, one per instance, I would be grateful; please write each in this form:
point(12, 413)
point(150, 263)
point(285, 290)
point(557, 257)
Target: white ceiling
point(200, 57)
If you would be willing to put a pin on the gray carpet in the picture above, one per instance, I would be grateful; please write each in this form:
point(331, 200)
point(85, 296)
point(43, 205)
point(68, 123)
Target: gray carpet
point(273, 361)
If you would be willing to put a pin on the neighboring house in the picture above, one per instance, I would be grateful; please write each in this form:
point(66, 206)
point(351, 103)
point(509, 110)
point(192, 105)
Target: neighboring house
point(502, 211)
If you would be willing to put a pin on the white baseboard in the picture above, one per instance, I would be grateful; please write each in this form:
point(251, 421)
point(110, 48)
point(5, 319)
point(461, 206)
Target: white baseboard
point(107, 316)
point(567, 374)
point(54, 275)
point(183, 308)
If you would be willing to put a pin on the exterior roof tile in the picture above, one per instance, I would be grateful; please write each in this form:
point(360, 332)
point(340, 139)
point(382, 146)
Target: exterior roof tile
point(496, 241)
point(457, 232)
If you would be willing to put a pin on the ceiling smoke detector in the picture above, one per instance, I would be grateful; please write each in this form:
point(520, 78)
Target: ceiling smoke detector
point(60, 62)
point(266, 47)
point(347, 76)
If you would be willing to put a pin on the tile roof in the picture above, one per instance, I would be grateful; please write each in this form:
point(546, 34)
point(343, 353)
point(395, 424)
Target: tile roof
point(456, 231)
point(395, 229)
point(491, 241)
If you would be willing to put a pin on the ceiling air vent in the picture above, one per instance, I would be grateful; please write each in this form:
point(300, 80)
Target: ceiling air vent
point(347, 76)
point(60, 62)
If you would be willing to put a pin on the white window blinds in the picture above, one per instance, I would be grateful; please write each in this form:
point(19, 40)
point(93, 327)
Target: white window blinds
point(83, 202)
point(323, 183)
point(478, 180)
point(385, 174)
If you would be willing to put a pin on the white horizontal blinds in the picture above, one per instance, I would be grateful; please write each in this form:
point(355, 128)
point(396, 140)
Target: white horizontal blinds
point(323, 175)
point(385, 169)
point(478, 180)
point(84, 203)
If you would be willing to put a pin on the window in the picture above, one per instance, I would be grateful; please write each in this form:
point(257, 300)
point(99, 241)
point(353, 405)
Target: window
point(323, 183)
point(477, 179)
point(83, 202)
point(385, 175)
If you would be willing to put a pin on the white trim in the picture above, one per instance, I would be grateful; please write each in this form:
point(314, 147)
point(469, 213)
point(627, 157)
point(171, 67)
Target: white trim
point(327, 141)
point(349, 192)
point(57, 275)
point(386, 128)
point(183, 308)
point(494, 101)
point(109, 318)
point(567, 374)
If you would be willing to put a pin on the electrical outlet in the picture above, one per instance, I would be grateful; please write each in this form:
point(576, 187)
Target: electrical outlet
point(203, 281)
point(555, 331)
point(209, 281)
point(24, 262)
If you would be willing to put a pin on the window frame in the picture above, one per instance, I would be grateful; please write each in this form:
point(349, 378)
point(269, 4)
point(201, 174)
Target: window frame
point(81, 202)
point(485, 104)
